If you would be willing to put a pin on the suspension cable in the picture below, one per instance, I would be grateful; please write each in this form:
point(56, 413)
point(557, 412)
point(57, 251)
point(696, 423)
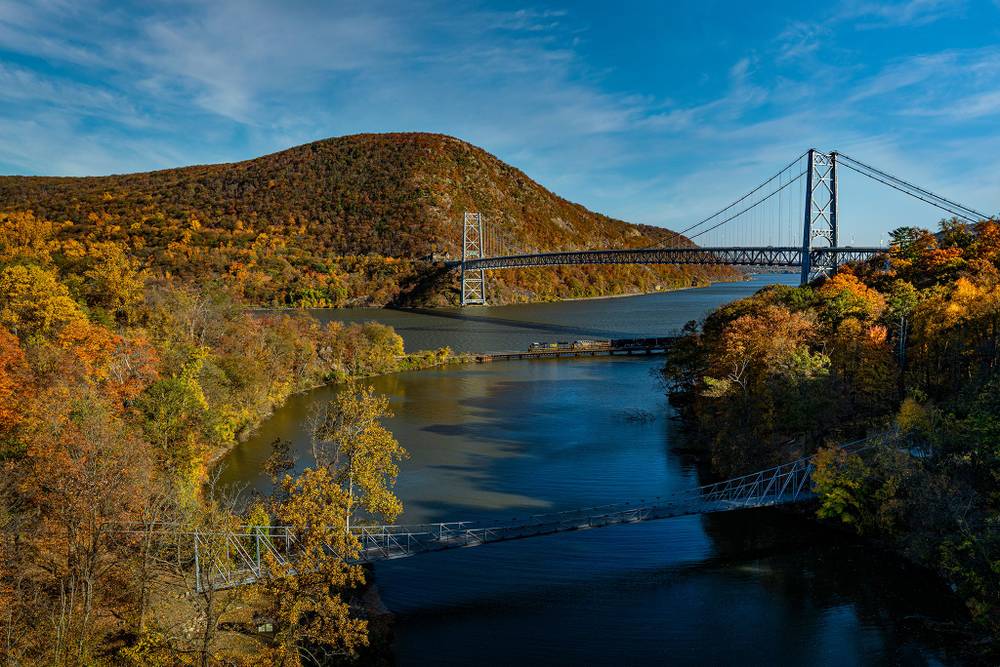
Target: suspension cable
point(720, 212)
point(959, 210)
point(736, 215)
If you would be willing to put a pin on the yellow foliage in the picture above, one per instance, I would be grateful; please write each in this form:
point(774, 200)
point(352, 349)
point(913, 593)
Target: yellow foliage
point(23, 236)
point(912, 416)
point(116, 280)
point(34, 302)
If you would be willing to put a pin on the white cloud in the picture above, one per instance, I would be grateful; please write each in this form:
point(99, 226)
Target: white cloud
point(871, 15)
point(232, 79)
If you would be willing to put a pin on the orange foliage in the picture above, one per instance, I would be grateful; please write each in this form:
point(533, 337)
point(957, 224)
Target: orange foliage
point(15, 378)
point(770, 336)
point(848, 296)
point(987, 242)
point(92, 345)
point(133, 367)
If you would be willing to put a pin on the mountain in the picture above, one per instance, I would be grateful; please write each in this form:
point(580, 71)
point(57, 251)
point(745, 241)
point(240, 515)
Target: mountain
point(362, 219)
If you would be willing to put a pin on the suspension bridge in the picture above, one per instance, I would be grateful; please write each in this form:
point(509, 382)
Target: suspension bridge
point(791, 220)
point(228, 559)
point(760, 229)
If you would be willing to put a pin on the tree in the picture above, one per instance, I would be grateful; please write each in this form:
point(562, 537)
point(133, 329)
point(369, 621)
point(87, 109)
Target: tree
point(837, 480)
point(84, 472)
point(25, 238)
point(845, 295)
point(15, 385)
point(908, 242)
point(305, 596)
point(115, 282)
point(863, 362)
point(349, 439)
point(34, 302)
point(175, 416)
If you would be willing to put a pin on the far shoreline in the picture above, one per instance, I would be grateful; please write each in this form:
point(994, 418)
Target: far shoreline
point(263, 309)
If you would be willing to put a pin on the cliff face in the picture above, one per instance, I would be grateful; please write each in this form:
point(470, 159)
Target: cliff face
point(352, 219)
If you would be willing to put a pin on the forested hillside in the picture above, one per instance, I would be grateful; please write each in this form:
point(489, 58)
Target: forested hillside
point(351, 220)
point(117, 392)
point(910, 348)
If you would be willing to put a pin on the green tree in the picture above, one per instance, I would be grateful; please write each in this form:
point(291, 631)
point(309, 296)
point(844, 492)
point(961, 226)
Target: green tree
point(175, 416)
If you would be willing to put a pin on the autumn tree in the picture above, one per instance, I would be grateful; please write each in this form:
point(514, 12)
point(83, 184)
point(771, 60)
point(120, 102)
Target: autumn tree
point(34, 302)
point(15, 387)
point(759, 362)
point(84, 472)
point(25, 238)
point(306, 597)
point(349, 439)
point(114, 282)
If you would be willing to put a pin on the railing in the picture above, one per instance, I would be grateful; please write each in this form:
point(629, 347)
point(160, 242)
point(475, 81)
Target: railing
point(234, 558)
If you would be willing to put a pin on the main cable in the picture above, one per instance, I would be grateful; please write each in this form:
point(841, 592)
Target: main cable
point(963, 210)
point(964, 215)
point(705, 231)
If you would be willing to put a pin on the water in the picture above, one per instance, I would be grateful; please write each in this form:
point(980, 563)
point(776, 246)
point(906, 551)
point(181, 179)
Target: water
point(514, 438)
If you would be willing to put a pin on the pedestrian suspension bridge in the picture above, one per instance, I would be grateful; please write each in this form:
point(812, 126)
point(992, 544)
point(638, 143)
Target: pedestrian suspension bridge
point(791, 220)
point(229, 559)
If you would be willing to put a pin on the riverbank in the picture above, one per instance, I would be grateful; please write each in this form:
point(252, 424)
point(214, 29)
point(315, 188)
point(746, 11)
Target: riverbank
point(421, 360)
point(517, 302)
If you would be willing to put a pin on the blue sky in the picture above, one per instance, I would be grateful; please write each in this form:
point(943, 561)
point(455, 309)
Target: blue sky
point(655, 112)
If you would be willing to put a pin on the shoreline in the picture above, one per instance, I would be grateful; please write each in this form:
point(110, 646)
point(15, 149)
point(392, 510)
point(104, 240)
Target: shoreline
point(390, 306)
point(623, 296)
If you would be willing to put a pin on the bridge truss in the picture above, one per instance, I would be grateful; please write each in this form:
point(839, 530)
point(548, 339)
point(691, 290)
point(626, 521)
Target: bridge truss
point(239, 557)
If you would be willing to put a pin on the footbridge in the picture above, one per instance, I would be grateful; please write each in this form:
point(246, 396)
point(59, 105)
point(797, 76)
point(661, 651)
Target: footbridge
point(239, 557)
point(791, 220)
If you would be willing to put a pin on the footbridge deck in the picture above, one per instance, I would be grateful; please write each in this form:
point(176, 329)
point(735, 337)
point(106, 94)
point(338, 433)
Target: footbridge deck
point(241, 560)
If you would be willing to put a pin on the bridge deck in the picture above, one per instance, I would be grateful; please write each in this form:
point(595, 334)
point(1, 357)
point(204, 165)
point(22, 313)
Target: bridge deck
point(788, 256)
point(240, 561)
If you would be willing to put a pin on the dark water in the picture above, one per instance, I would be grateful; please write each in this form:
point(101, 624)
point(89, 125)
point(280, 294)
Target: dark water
point(507, 439)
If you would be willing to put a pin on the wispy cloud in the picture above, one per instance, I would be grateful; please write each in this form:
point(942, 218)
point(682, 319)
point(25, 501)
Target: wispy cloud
point(873, 15)
point(164, 84)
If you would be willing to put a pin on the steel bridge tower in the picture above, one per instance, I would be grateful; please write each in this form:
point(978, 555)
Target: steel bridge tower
point(821, 219)
point(473, 280)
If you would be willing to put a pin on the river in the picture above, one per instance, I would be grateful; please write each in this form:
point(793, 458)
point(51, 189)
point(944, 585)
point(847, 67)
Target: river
point(514, 438)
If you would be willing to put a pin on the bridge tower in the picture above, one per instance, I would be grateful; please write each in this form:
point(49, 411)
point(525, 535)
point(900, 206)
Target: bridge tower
point(473, 246)
point(821, 219)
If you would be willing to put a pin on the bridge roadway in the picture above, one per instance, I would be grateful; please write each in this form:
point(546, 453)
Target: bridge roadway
point(819, 258)
point(235, 558)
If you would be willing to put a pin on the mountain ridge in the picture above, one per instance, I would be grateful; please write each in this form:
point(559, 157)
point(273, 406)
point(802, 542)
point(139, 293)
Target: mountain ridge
point(314, 224)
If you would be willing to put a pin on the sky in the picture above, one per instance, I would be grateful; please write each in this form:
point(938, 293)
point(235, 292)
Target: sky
point(654, 112)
